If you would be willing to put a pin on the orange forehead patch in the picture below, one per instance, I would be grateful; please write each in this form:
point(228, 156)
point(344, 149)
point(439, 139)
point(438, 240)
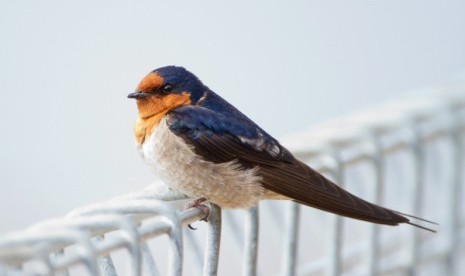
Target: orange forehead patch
point(149, 82)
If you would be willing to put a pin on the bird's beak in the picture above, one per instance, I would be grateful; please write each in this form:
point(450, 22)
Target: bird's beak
point(139, 95)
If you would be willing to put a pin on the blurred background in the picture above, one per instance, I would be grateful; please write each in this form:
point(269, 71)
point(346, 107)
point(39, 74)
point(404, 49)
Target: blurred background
point(66, 69)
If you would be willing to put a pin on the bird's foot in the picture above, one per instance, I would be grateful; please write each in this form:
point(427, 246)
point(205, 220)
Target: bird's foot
point(198, 204)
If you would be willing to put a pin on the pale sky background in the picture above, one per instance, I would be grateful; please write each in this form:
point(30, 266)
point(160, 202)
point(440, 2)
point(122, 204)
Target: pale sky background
point(66, 68)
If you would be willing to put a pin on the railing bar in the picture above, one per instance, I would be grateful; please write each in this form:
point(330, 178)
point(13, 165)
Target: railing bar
point(335, 233)
point(377, 188)
point(400, 145)
point(105, 262)
point(416, 194)
point(59, 253)
point(212, 251)
point(290, 239)
point(108, 245)
point(191, 215)
point(251, 241)
point(431, 255)
point(150, 267)
point(176, 250)
point(106, 265)
point(146, 231)
point(455, 193)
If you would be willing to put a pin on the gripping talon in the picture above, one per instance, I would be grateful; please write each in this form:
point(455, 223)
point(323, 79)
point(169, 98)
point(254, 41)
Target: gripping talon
point(198, 204)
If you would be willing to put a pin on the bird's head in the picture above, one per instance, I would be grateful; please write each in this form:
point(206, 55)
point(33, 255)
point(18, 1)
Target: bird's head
point(166, 88)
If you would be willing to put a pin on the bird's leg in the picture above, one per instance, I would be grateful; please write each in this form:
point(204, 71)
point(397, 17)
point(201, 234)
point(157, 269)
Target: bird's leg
point(198, 204)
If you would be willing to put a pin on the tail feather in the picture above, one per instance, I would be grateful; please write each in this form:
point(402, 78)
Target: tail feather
point(308, 187)
point(420, 219)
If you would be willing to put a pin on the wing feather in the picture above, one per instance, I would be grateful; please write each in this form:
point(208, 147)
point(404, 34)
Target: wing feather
point(282, 173)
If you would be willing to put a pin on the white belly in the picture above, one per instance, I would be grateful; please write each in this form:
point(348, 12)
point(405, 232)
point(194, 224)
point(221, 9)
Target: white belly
point(180, 168)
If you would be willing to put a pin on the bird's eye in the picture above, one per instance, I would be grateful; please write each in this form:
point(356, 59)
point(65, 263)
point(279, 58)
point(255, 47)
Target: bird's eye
point(167, 88)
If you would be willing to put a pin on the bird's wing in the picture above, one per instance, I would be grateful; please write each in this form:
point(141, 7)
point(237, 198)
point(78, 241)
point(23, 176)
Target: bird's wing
point(220, 138)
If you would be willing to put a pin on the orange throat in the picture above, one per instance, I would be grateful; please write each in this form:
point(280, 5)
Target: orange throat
point(152, 110)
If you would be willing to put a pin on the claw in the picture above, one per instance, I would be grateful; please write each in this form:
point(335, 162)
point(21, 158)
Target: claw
point(198, 204)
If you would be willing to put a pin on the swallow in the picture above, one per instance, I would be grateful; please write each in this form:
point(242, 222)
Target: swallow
point(202, 146)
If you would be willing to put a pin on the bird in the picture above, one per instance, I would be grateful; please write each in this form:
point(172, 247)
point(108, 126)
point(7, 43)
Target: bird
point(202, 146)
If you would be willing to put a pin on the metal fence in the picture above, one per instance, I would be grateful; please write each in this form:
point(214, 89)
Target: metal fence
point(406, 155)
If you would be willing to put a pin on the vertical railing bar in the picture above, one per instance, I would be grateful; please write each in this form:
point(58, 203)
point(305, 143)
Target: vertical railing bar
point(335, 261)
point(45, 260)
point(416, 193)
point(150, 268)
point(55, 255)
point(176, 255)
point(454, 193)
point(130, 230)
point(377, 188)
point(290, 256)
point(212, 252)
point(335, 235)
point(176, 240)
point(106, 263)
point(251, 241)
point(87, 252)
point(106, 266)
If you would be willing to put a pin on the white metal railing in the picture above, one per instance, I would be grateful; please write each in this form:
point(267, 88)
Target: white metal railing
point(407, 154)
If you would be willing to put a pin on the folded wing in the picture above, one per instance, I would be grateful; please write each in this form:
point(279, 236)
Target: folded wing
point(221, 139)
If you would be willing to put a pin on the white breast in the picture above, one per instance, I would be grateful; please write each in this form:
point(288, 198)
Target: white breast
point(180, 168)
